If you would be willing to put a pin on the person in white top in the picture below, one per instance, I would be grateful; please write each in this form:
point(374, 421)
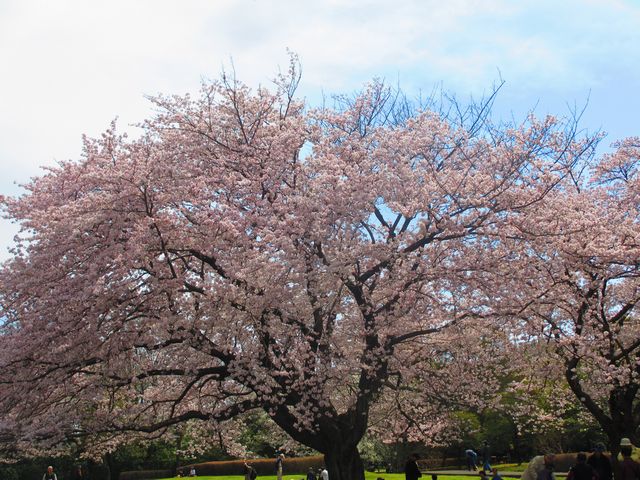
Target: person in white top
point(537, 465)
point(324, 474)
point(49, 475)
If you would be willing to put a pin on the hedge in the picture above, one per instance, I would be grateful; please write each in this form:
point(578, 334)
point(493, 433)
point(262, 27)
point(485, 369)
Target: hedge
point(264, 466)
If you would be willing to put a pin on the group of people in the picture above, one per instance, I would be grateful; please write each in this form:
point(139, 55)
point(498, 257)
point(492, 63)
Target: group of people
point(596, 467)
point(321, 474)
point(192, 472)
point(472, 458)
point(78, 473)
point(250, 473)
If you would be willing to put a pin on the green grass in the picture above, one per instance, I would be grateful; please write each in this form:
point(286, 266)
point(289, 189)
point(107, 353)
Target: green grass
point(503, 467)
point(367, 475)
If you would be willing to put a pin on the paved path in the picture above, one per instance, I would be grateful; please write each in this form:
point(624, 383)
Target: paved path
point(470, 473)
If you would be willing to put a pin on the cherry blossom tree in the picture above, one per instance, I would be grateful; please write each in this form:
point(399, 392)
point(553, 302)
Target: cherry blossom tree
point(248, 253)
point(576, 259)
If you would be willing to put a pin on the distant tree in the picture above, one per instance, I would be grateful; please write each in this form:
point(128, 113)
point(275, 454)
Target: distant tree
point(244, 253)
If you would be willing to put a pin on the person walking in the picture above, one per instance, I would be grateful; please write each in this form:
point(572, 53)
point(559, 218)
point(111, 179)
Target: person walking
point(486, 457)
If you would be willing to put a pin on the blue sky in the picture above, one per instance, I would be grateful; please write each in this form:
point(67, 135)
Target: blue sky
point(70, 66)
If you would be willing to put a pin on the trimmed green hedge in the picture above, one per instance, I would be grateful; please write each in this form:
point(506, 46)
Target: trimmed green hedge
point(264, 466)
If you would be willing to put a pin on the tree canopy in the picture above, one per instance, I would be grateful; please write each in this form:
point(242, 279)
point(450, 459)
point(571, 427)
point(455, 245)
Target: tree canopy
point(247, 252)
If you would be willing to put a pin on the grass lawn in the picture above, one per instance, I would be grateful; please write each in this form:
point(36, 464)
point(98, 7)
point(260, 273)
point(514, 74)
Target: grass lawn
point(505, 467)
point(368, 476)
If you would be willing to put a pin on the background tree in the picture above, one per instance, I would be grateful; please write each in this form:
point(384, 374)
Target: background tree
point(579, 253)
point(245, 254)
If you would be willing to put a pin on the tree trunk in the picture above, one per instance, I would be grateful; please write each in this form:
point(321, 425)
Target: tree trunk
point(344, 463)
point(337, 437)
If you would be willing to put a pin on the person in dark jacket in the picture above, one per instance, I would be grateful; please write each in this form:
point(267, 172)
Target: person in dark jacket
point(311, 475)
point(581, 470)
point(249, 472)
point(411, 470)
point(600, 463)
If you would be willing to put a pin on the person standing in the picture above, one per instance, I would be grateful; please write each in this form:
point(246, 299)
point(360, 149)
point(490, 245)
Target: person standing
point(324, 474)
point(496, 476)
point(411, 469)
point(311, 475)
point(50, 475)
point(600, 462)
point(80, 473)
point(581, 470)
point(629, 468)
point(249, 472)
point(279, 463)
